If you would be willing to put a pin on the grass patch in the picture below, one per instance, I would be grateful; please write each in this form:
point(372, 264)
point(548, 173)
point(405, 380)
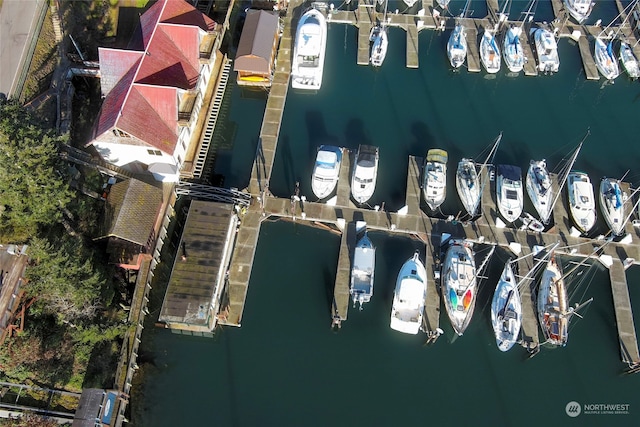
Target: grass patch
point(43, 63)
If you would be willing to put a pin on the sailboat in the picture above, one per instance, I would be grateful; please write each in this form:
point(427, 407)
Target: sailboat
point(380, 42)
point(459, 284)
point(512, 49)
point(457, 44)
point(409, 296)
point(468, 181)
point(489, 52)
point(554, 312)
point(365, 173)
point(581, 201)
point(509, 192)
point(546, 49)
point(606, 61)
point(506, 309)
point(538, 182)
point(409, 3)
point(434, 180)
point(612, 205)
point(309, 50)
point(362, 272)
point(629, 60)
point(579, 9)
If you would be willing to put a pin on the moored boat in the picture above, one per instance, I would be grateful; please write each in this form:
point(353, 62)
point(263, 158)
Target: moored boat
point(512, 49)
point(506, 309)
point(307, 65)
point(612, 205)
point(365, 173)
point(459, 284)
point(605, 59)
point(547, 50)
point(457, 43)
point(579, 9)
point(538, 182)
point(552, 304)
point(362, 271)
point(581, 201)
point(629, 61)
point(434, 178)
point(468, 186)
point(409, 296)
point(379, 46)
point(326, 171)
point(489, 52)
point(509, 195)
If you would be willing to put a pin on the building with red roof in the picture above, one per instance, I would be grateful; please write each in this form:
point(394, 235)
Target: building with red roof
point(153, 92)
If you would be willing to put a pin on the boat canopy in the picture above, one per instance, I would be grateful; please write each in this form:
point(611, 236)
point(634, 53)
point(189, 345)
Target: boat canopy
point(510, 172)
point(309, 40)
point(327, 156)
point(437, 155)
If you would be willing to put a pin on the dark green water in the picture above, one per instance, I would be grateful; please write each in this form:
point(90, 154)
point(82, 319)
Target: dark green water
point(285, 367)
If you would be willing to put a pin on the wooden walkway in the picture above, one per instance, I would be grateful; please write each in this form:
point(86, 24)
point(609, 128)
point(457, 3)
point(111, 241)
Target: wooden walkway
point(529, 329)
point(473, 52)
point(589, 64)
point(432, 301)
point(624, 315)
point(530, 68)
point(366, 19)
point(341, 295)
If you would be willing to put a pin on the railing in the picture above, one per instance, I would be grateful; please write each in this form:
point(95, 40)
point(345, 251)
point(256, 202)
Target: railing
point(216, 194)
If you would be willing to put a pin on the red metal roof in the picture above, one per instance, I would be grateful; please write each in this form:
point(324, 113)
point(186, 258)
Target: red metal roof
point(140, 87)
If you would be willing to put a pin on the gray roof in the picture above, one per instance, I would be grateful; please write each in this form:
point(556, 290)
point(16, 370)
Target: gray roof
point(131, 210)
point(256, 42)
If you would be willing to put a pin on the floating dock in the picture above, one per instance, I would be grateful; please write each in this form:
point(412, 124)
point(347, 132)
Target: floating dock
point(624, 315)
point(589, 64)
point(529, 328)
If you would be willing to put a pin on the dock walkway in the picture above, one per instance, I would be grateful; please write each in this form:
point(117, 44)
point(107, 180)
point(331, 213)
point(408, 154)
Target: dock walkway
point(624, 315)
point(529, 331)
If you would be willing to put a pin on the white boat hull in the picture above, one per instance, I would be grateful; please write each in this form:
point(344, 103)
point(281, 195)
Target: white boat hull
point(362, 271)
point(307, 66)
point(379, 47)
point(365, 174)
point(459, 284)
point(579, 9)
point(509, 192)
point(605, 60)
point(629, 61)
point(506, 310)
point(512, 50)
point(540, 190)
point(489, 53)
point(409, 296)
point(468, 186)
point(434, 183)
point(326, 171)
point(581, 201)
point(457, 46)
point(547, 51)
point(612, 205)
point(552, 305)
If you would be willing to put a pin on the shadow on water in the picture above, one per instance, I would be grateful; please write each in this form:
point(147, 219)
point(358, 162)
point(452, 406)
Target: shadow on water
point(231, 383)
point(355, 134)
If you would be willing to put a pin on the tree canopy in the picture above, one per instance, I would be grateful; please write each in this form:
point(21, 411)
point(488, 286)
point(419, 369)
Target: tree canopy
point(33, 177)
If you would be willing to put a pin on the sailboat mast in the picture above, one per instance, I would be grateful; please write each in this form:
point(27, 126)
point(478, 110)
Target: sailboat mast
point(527, 13)
point(565, 174)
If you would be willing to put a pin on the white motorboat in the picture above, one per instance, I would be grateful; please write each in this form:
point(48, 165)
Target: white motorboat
point(459, 284)
point(489, 52)
point(539, 188)
point(547, 50)
point(468, 186)
point(553, 304)
point(365, 173)
point(409, 296)
point(362, 271)
point(512, 49)
point(326, 171)
point(509, 192)
point(457, 46)
point(581, 201)
point(629, 61)
point(506, 310)
point(612, 205)
point(434, 178)
point(379, 46)
point(605, 59)
point(579, 9)
point(307, 65)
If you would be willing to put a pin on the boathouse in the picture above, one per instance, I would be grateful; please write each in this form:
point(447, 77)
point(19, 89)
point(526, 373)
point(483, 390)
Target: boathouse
point(193, 295)
point(257, 48)
point(129, 217)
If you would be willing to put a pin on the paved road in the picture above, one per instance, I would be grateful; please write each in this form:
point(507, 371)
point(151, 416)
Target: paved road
point(17, 24)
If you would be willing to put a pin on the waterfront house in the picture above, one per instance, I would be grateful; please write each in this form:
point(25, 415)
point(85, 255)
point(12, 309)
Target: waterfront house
point(154, 91)
point(257, 48)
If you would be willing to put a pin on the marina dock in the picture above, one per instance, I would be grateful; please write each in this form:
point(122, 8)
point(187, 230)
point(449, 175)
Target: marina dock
point(530, 68)
point(529, 328)
point(473, 52)
point(411, 221)
point(589, 64)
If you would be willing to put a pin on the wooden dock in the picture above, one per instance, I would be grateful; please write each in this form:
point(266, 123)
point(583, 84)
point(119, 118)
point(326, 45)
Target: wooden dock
point(529, 329)
point(341, 295)
point(343, 193)
point(473, 52)
point(558, 10)
point(624, 315)
point(366, 18)
point(412, 45)
point(414, 191)
point(432, 301)
point(530, 67)
point(589, 64)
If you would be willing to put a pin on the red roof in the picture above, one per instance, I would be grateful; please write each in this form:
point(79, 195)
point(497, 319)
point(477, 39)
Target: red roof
point(140, 87)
